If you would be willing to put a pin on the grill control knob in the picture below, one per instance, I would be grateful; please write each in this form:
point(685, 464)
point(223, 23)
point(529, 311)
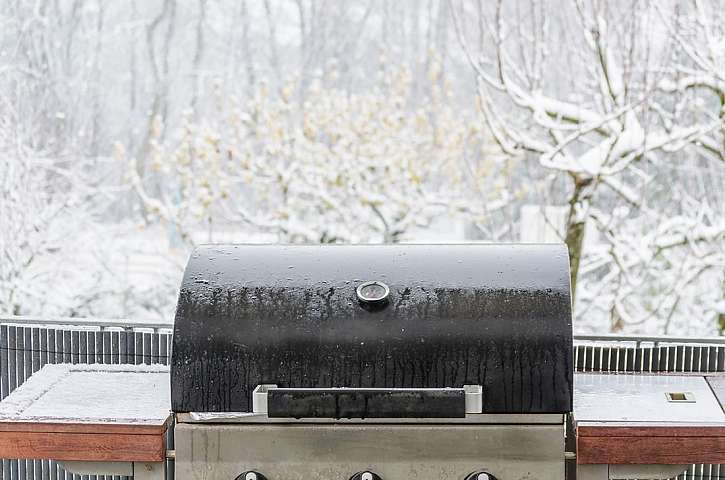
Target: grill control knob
point(480, 476)
point(365, 476)
point(251, 475)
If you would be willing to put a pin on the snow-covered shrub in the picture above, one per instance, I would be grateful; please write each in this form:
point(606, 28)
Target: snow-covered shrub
point(326, 166)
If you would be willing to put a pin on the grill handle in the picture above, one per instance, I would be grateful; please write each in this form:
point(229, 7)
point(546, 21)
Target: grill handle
point(345, 402)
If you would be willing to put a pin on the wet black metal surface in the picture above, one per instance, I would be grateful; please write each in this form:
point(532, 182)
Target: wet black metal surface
point(366, 403)
point(492, 315)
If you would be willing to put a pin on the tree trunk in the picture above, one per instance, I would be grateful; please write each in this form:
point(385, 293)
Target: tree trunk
point(721, 316)
point(575, 225)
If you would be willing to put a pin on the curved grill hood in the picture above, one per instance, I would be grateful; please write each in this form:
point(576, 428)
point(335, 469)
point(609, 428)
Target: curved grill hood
point(493, 315)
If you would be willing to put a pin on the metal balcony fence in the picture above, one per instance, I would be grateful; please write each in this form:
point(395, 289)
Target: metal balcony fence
point(26, 344)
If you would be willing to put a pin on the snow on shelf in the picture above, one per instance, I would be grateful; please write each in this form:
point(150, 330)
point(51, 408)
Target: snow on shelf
point(65, 393)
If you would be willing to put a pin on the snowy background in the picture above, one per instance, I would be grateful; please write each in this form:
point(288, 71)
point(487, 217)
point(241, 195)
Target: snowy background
point(132, 131)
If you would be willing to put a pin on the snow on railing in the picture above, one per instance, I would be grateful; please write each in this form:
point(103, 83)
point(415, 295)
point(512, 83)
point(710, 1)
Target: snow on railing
point(99, 323)
point(644, 340)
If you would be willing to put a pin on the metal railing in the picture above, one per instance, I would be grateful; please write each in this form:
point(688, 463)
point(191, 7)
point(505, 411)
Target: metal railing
point(101, 323)
point(28, 343)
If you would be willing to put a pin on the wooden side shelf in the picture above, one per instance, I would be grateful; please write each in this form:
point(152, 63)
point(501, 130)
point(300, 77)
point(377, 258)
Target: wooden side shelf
point(629, 419)
point(88, 413)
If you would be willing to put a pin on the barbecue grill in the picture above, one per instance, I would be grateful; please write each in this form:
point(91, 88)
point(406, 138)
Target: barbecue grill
point(373, 362)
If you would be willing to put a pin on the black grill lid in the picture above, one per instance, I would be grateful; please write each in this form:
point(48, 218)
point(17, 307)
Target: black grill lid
point(498, 316)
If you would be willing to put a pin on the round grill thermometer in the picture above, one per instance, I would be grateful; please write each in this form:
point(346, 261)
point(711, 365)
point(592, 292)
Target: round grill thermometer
point(373, 293)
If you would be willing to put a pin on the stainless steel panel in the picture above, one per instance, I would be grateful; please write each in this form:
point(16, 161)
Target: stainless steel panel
point(425, 452)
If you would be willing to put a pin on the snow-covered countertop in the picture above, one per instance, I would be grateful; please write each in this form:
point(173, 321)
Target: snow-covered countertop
point(640, 418)
point(108, 394)
point(641, 399)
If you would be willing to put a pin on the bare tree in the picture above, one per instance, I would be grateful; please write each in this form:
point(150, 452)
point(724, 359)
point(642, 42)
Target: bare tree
point(611, 95)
